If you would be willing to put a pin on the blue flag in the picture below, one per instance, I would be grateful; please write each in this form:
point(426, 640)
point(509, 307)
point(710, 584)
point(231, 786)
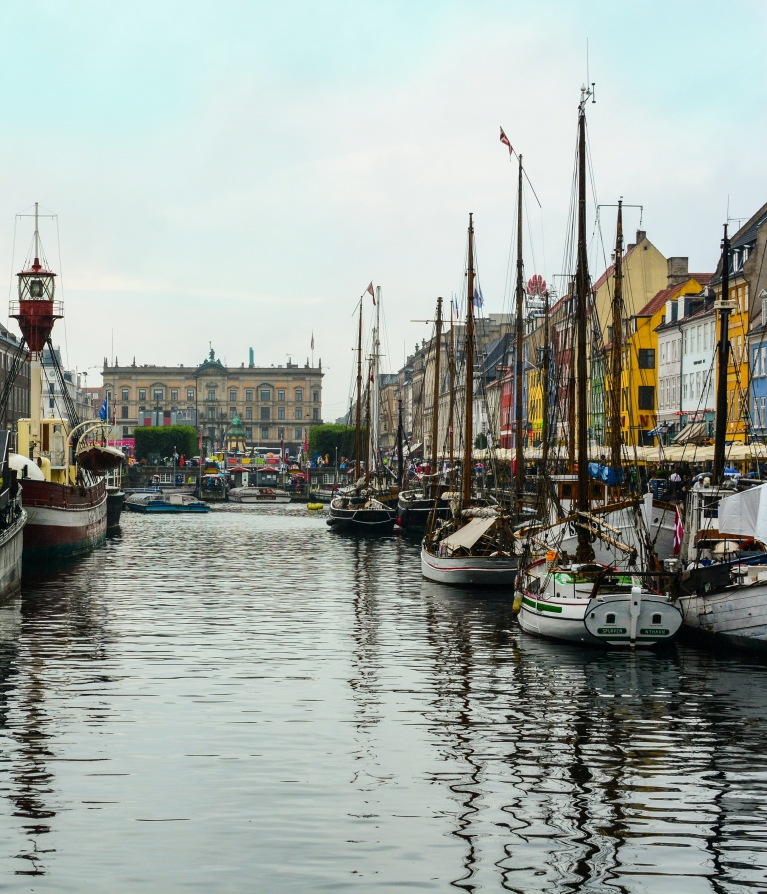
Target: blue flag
point(478, 300)
point(103, 413)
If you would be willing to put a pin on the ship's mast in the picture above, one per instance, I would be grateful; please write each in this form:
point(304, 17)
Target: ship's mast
point(435, 406)
point(368, 428)
point(545, 364)
point(358, 433)
point(451, 410)
point(723, 348)
point(374, 421)
point(469, 412)
point(400, 453)
point(617, 351)
point(519, 476)
point(584, 552)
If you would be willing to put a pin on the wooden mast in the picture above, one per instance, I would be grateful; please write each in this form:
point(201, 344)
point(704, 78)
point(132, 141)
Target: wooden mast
point(723, 349)
point(368, 427)
point(358, 434)
point(585, 552)
point(519, 477)
point(617, 349)
point(400, 454)
point(435, 406)
point(451, 410)
point(468, 444)
point(545, 364)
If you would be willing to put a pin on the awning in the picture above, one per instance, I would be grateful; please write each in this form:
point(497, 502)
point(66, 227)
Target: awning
point(468, 535)
point(693, 431)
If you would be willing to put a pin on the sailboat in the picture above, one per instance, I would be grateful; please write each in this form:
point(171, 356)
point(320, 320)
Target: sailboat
point(722, 567)
point(576, 598)
point(417, 505)
point(476, 545)
point(356, 508)
point(63, 494)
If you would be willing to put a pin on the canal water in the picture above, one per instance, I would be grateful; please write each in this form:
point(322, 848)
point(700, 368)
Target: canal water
point(246, 701)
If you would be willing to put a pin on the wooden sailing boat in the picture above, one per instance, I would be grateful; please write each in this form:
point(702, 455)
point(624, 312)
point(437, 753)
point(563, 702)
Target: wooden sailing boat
point(356, 508)
point(584, 600)
point(475, 546)
point(416, 505)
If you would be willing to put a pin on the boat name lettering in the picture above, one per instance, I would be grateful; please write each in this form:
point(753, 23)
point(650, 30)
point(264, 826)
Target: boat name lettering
point(654, 631)
point(611, 631)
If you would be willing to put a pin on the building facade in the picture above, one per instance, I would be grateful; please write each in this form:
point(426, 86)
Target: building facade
point(278, 405)
point(17, 404)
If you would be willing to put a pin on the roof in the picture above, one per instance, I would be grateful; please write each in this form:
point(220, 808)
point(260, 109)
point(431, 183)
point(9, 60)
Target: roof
point(610, 270)
point(655, 304)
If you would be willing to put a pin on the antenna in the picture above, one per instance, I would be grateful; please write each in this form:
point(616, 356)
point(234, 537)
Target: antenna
point(585, 91)
point(37, 232)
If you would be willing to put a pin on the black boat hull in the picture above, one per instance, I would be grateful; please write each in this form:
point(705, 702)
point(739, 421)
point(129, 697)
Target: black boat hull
point(362, 521)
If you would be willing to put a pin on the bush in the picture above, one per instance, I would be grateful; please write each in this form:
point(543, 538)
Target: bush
point(324, 439)
point(162, 439)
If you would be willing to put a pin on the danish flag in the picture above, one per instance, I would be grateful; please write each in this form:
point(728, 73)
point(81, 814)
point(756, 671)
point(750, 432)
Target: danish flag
point(505, 141)
point(372, 293)
point(678, 532)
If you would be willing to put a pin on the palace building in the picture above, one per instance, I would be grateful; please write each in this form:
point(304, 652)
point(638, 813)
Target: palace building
point(275, 404)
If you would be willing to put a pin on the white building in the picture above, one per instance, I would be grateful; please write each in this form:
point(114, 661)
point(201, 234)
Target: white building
point(699, 369)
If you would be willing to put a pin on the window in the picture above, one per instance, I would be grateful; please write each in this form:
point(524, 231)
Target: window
point(232, 394)
point(190, 393)
point(663, 353)
point(763, 417)
point(697, 337)
point(609, 618)
point(656, 618)
point(125, 394)
point(646, 397)
point(280, 433)
point(757, 418)
point(316, 415)
point(698, 379)
point(266, 394)
point(249, 394)
point(142, 394)
point(316, 397)
point(280, 394)
point(265, 432)
point(232, 412)
point(249, 433)
point(686, 349)
point(124, 413)
point(249, 412)
point(125, 431)
point(211, 394)
point(299, 395)
point(174, 393)
point(142, 409)
point(280, 412)
point(265, 411)
point(299, 413)
point(647, 358)
point(158, 394)
point(764, 360)
point(211, 413)
point(298, 434)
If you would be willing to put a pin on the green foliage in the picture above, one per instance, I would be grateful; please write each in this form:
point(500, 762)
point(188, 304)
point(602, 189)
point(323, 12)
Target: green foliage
point(161, 440)
point(480, 442)
point(324, 439)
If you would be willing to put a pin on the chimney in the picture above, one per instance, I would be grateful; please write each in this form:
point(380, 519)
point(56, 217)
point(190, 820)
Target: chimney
point(641, 236)
point(677, 272)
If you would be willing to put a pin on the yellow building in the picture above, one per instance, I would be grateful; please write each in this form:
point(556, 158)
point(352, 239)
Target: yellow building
point(639, 385)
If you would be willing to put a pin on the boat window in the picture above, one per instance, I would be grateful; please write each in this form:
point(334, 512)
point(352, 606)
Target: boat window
point(609, 618)
point(657, 618)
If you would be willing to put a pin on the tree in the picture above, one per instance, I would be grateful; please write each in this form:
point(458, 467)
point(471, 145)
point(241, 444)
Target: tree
point(161, 440)
point(480, 442)
point(324, 439)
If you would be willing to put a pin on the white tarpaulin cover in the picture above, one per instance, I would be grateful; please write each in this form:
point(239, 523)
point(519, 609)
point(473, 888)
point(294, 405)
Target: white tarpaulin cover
point(745, 513)
point(468, 535)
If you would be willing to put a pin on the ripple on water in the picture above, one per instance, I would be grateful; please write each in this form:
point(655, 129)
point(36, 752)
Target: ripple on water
point(247, 701)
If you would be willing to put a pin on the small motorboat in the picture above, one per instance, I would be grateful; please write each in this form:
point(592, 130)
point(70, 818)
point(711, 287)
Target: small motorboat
point(154, 502)
point(258, 495)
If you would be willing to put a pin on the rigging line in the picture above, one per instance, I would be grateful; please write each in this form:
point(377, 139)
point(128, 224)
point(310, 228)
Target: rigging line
point(10, 281)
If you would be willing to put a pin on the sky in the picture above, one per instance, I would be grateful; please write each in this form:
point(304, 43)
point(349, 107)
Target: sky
point(237, 173)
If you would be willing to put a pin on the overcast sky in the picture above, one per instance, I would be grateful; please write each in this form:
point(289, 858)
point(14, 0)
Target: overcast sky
point(238, 172)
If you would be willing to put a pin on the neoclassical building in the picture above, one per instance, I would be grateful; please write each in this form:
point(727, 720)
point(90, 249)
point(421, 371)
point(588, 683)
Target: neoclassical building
point(275, 403)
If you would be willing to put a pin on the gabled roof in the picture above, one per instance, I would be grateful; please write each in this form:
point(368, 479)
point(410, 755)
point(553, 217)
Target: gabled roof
point(655, 304)
point(611, 269)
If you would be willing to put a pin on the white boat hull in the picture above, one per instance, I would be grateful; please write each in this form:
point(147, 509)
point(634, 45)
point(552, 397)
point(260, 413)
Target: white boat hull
point(252, 499)
point(479, 571)
point(11, 548)
point(736, 616)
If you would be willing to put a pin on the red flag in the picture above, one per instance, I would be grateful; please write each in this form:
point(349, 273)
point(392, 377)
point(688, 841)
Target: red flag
point(306, 442)
point(505, 141)
point(678, 532)
point(372, 293)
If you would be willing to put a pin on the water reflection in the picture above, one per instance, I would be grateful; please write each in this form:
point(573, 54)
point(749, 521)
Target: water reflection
point(450, 749)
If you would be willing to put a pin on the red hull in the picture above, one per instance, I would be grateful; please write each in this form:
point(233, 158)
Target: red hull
point(63, 520)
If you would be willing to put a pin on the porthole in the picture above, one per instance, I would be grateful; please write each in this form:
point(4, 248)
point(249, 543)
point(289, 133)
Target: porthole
point(657, 618)
point(610, 618)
